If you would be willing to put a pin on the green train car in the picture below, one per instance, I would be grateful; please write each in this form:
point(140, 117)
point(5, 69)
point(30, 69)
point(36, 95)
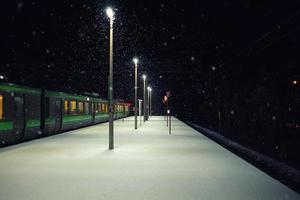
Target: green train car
point(28, 113)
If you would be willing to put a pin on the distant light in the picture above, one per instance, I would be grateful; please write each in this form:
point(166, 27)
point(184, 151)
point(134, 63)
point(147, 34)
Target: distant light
point(144, 76)
point(135, 60)
point(149, 88)
point(213, 68)
point(295, 82)
point(110, 13)
point(88, 99)
point(1, 77)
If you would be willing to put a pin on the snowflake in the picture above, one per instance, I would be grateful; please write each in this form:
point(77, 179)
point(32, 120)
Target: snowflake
point(20, 5)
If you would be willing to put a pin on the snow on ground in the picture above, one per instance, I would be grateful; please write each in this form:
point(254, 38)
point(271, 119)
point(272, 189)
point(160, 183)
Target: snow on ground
point(280, 167)
point(146, 164)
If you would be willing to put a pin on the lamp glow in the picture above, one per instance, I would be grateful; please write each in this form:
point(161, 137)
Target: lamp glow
point(135, 60)
point(295, 82)
point(110, 13)
point(144, 76)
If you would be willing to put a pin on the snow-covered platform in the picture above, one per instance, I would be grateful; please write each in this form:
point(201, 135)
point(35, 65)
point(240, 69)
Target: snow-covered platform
point(146, 164)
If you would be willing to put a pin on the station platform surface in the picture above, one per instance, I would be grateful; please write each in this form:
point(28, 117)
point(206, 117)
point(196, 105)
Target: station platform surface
point(147, 163)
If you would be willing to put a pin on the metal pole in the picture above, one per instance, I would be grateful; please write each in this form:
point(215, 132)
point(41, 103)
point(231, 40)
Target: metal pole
point(170, 122)
point(110, 89)
point(140, 111)
point(135, 98)
point(167, 111)
point(150, 106)
point(148, 103)
point(144, 99)
point(123, 107)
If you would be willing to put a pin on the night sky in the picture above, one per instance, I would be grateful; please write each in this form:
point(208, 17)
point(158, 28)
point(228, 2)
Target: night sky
point(64, 44)
point(239, 58)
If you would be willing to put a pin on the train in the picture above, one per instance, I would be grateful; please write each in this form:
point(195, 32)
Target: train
point(29, 113)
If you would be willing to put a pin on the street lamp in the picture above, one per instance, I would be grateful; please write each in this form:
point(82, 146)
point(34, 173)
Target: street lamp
point(144, 78)
point(135, 60)
point(295, 82)
point(149, 100)
point(110, 13)
point(140, 110)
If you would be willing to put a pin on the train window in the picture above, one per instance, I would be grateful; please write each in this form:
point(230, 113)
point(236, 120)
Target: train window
point(87, 108)
point(80, 108)
point(99, 107)
point(73, 107)
point(66, 106)
point(1, 107)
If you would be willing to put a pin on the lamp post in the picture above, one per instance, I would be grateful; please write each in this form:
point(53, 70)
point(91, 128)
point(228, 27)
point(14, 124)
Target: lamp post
point(144, 78)
point(110, 13)
point(140, 110)
point(135, 60)
point(148, 101)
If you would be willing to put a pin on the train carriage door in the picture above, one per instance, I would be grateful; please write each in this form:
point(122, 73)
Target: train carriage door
point(19, 117)
point(94, 110)
point(58, 114)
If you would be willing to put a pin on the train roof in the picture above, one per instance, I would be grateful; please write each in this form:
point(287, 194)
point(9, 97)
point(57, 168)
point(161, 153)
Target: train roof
point(7, 87)
point(74, 97)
